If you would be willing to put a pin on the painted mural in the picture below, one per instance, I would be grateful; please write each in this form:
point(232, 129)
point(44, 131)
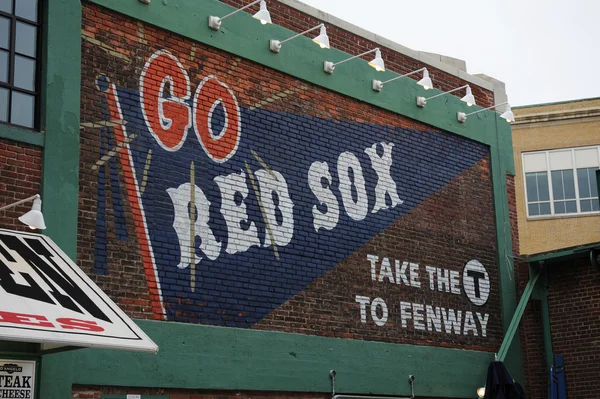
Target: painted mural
point(253, 217)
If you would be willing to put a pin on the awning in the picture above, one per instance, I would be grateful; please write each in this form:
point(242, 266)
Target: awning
point(46, 298)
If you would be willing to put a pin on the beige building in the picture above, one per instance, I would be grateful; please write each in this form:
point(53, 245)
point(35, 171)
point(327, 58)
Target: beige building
point(557, 153)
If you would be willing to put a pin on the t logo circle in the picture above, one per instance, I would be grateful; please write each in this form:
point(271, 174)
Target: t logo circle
point(476, 282)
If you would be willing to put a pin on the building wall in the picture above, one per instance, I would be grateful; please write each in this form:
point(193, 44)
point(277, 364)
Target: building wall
point(409, 176)
point(297, 309)
point(20, 175)
point(575, 324)
point(554, 126)
point(571, 287)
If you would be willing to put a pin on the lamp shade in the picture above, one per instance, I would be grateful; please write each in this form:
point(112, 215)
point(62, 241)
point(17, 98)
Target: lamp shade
point(508, 115)
point(377, 62)
point(426, 81)
point(34, 218)
point(468, 98)
point(263, 14)
point(322, 40)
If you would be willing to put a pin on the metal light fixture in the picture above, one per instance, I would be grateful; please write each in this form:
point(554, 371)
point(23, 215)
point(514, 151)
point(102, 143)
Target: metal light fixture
point(377, 62)
point(425, 82)
point(469, 99)
point(481, 392)
point(508, 115)
point(262, 15)
point(34, 218)
point(322, 39)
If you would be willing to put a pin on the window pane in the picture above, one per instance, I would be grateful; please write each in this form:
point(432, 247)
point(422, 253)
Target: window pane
point(534, 209)
point(557, 185)
point(6, 6)
point(571, 206)
point(595, 205)
point(559, 207)
point(24, 73)
point(3, 105)
point(586, 205)
point(583, 182)
point(544, 192)
point(21, 109)
point(4, 32)
point(531, 183)
point(545, 208)
point(594, 182)
point(3, 66)
point(26, 9)
point(569, 183)
point(25, 42)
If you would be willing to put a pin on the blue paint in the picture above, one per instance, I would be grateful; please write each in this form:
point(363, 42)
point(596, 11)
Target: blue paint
point(239, 290)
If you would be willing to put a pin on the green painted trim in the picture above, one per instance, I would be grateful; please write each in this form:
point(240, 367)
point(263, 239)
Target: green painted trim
point(245, 37)
point(502, 164)
point(559, 256)
point(21, 134)
point(223, 358)
point(514, 324)
point(546, 322)
point(61, 85)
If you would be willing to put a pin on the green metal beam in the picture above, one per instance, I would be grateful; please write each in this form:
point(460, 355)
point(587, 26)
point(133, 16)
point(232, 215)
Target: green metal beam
point(567, 254)
point(546, 322)
point(514, 324)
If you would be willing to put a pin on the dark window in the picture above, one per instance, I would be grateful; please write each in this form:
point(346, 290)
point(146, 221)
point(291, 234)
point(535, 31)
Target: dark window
point(19, 62)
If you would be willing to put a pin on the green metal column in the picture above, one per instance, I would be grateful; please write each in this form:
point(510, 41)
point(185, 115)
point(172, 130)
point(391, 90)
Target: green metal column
point(546, 322)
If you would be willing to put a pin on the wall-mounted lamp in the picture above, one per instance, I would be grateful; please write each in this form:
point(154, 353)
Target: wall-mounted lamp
point(263, 15)
point(468, 98)
point(377, 62)
point(425, 82)
point(508, 115)
point(322, 39)
point(34, 218)
point(481, 392)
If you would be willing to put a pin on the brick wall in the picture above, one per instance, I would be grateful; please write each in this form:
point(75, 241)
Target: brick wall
point(574, 303)
point(20, 173)
point(132, 235)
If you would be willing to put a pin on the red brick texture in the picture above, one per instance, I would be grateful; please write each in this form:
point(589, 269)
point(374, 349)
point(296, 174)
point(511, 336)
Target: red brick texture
point(20, 174)
point(574, 303)
point(446, 231)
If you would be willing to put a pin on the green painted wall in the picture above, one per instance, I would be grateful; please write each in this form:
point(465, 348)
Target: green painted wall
point(204, 357)
point(195, 356)
point(61, 84)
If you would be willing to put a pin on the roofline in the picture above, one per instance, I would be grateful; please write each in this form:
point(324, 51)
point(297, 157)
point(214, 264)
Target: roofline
point(426, 58)
point(556, 103)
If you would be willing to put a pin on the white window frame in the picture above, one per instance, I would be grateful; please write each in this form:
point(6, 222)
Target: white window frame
point(548, 171)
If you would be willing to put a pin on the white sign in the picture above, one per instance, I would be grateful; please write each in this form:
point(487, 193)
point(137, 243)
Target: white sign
point(46, 298)
point(17, 378)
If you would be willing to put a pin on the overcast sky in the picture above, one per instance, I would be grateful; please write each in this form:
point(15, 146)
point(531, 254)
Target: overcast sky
point(544, 50)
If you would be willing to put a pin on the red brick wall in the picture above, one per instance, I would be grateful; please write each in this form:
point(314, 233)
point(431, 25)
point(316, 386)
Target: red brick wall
point(446, 230)
point(20, 174)
point(574, 303)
